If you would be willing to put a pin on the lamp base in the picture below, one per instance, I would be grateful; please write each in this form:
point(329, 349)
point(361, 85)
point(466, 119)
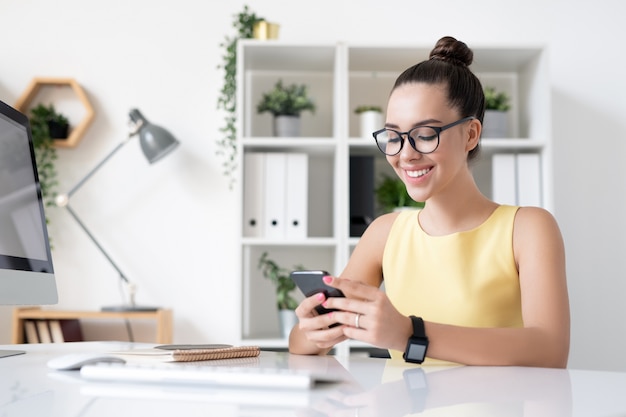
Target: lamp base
point(123, 308)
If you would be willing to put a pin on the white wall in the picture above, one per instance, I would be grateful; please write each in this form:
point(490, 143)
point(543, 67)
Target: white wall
point(170, 226)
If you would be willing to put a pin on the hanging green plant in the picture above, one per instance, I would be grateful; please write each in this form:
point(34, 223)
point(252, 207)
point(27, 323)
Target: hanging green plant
point(243, 22)
point(45, 152)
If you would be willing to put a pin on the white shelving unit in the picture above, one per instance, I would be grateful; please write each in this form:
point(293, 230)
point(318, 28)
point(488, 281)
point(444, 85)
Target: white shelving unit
point(340, 77)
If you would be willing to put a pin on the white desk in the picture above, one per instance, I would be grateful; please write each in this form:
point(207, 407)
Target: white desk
point(374, 387)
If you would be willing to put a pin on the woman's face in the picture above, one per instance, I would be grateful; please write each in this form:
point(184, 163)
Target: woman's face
point(427, 175)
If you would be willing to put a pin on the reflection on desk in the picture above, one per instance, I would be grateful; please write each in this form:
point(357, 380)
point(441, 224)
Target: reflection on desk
point(369, 387)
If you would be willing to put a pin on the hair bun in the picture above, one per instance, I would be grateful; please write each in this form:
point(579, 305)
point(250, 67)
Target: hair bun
point(448, 49)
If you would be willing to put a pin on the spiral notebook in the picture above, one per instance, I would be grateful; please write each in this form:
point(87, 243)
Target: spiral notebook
point(187, 354)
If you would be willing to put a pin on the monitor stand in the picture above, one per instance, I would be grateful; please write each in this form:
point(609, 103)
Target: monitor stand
point(7, 353)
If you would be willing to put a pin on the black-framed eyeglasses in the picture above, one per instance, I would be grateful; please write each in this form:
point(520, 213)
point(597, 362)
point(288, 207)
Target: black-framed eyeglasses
point(424, 139)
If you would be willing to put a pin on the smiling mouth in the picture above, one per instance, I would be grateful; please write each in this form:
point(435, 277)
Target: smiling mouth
point(418, 173)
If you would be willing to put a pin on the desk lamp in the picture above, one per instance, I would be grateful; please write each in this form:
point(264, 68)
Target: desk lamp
point(156, 142)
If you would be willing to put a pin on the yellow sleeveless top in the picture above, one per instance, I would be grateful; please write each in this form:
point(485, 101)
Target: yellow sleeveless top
point(467, 279)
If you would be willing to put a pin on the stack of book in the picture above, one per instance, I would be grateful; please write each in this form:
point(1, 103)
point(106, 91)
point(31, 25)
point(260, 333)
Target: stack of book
point(52, 331)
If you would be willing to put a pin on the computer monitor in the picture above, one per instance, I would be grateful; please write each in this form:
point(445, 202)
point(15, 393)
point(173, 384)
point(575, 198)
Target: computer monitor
point(26, 272)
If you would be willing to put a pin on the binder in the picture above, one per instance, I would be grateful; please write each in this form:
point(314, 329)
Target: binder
point(504, 181)
point(43, 331)
point(296, 195)
point(361, 193)
point(253, 190)
point(274, 211)
point(30, 331)
point(56, 332)
point(529, 179)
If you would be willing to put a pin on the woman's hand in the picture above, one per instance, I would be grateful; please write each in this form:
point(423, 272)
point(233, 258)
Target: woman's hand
point(365, 314)
point(314, 327)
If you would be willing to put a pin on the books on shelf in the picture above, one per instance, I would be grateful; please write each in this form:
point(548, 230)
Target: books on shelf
point(516, 179)
point(43, 331)
point(30, 331)
point(276, 190)
point(52, 331)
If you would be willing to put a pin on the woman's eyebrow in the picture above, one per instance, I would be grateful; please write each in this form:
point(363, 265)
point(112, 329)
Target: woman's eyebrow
point(420, 123)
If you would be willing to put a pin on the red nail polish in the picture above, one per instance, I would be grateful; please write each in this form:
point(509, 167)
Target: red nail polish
point(327, 279)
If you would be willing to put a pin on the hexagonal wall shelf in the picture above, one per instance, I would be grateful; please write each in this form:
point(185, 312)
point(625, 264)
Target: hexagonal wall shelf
point(76, 132)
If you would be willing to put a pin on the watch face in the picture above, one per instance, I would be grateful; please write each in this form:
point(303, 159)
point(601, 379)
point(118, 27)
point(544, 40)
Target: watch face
point(416, 352)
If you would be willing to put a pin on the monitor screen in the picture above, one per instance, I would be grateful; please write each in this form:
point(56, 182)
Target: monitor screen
point(26, 272)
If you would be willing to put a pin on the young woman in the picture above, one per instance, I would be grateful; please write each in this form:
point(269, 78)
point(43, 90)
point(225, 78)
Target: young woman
point(466, 280)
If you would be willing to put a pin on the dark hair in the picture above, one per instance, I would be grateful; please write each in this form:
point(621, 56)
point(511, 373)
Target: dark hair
point(448, 64)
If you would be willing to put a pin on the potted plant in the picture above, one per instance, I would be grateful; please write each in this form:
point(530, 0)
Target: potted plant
point(58, 125)
point(286, 103)
point(285, 302)
point(45, 152)
point(495, 122)
point(244, 23)
point(370, 118)
point(391, 195)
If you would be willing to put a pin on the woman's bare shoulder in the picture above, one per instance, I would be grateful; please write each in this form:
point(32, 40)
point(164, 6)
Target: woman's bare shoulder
point(534, 217)
point(382, 224)
point(536, 230)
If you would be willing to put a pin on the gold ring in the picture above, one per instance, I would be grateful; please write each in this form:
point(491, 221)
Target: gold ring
point(356, 320)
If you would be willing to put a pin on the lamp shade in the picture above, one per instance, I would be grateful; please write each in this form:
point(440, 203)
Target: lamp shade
point(155, 141)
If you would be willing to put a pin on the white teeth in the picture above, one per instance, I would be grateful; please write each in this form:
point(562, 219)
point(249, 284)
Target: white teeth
point(417, 174)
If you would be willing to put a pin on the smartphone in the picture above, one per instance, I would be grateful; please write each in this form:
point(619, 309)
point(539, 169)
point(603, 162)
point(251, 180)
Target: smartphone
point(311, 282)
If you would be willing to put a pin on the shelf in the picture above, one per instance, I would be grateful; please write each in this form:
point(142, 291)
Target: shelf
point(77, 132)
point(309, 242)
point(162, 317)
point(342, 76)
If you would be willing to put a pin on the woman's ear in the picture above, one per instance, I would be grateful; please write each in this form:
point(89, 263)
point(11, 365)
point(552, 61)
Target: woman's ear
point(473, 134)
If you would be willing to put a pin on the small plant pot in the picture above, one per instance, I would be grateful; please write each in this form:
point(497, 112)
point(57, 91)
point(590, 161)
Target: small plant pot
point(287, 126)
point(495, 124)
point(287, 320)
point(370, 121)
point(265, 30)
point(58, 130)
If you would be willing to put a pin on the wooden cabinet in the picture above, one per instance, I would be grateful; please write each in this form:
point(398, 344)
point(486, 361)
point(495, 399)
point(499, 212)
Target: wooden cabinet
point(341, 77)
point(162, 319)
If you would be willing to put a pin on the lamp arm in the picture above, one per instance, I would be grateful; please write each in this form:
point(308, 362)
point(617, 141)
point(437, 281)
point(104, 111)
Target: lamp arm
point(63, 200)
point(95, 242)
point(97, 167)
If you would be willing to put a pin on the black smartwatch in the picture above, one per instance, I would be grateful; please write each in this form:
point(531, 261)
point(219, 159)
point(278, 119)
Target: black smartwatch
point(418, 343)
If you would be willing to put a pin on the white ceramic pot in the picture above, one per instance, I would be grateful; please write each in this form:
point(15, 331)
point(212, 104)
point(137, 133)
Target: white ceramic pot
point(287, 320)
point(370, 121)
point(495, 124)
point(287, 126)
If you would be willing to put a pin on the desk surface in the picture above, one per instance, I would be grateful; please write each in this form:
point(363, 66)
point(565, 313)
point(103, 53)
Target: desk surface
point(372, 387)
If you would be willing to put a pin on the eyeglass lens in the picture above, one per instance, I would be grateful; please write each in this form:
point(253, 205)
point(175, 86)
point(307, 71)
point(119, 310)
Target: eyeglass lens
point(422, 139)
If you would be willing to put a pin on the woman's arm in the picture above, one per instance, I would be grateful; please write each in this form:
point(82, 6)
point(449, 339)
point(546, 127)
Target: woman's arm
point(544, 339)
point(311, 335)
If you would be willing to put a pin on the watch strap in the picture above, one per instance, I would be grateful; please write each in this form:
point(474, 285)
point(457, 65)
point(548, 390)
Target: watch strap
point(417, 344)
point(418, 327)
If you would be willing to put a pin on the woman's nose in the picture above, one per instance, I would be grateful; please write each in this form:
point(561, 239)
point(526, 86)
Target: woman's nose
point(408, 152)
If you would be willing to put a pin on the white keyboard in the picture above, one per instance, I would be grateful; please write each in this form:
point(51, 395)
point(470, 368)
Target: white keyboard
point(206, 375)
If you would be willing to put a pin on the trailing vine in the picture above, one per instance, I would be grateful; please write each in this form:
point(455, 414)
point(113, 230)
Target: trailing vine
point(45, 153)
point(243, 22)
